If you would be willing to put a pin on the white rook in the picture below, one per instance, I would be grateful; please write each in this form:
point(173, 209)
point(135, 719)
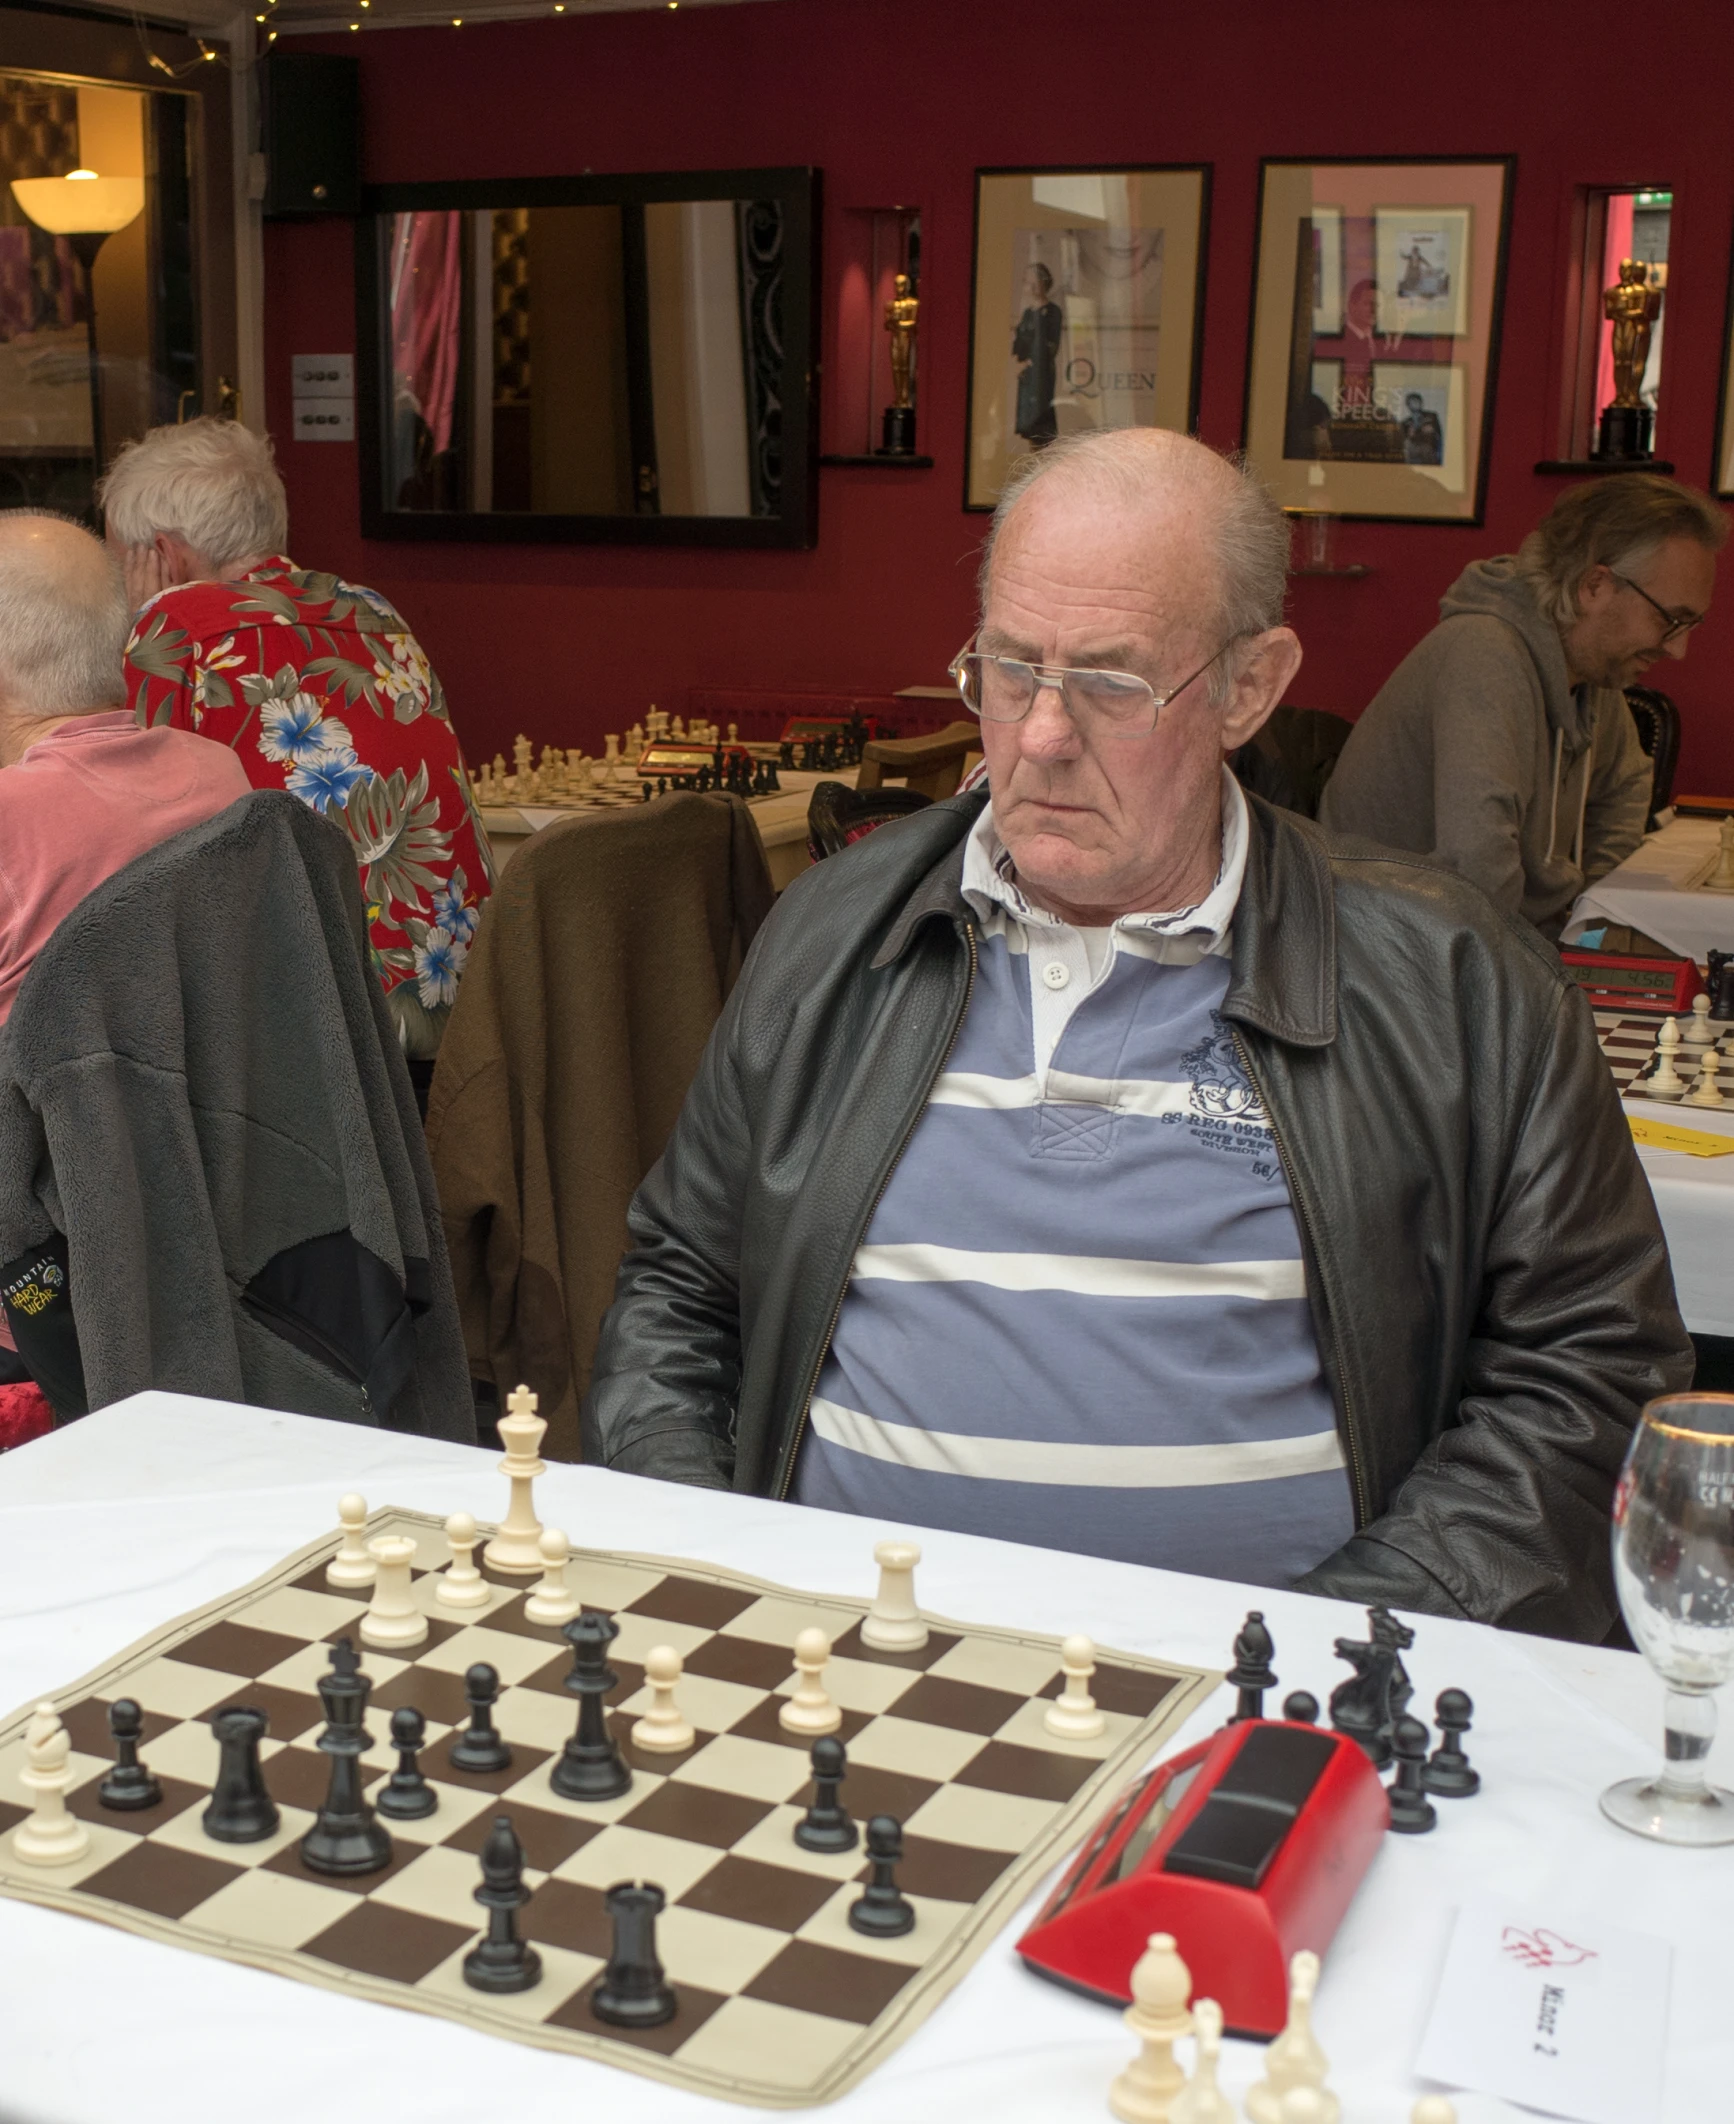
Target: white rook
point(893, 1623)
point(393, 1619)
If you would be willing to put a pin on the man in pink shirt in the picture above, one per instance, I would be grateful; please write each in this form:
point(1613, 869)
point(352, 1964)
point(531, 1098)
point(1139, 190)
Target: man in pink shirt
point(83, 790)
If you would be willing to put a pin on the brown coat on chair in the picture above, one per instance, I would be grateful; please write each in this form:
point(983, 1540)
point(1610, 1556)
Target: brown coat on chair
point(602, 962)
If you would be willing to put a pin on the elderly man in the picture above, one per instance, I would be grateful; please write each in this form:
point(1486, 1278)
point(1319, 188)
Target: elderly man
point(312, 683)
point(83, 790)
point(1502, 744)
point(1116, 1164)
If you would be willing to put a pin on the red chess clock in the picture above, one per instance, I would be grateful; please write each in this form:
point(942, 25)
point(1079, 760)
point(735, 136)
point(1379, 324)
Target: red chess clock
point(1246, 1848)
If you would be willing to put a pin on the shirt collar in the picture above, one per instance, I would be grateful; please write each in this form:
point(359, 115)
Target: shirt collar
point(990, 881)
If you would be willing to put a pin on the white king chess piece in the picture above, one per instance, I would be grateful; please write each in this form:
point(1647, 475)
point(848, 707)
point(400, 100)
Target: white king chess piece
point(516, 1548)
point(1073, 1714)
point(893, 1623)
point(49, 1835)
point(1146, 2091)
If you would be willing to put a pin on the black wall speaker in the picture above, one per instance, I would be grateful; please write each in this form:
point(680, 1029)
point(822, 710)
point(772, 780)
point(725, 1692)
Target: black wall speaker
point(310, 108)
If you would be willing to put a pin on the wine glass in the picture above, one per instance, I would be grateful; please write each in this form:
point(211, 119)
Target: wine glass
point(1674, 1567)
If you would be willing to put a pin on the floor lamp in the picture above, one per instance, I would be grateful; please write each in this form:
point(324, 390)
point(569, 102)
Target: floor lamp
point(87, 210)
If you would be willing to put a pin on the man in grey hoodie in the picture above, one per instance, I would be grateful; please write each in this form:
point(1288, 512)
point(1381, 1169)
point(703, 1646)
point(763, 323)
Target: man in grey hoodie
point(1502, 744)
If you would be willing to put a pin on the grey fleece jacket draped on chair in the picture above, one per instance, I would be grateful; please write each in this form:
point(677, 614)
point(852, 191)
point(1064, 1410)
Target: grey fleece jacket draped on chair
point(200, 1088)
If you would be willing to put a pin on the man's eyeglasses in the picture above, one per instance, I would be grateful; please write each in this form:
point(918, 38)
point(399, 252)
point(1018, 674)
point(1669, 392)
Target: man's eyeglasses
point(1003, 689)
point(1675, 625)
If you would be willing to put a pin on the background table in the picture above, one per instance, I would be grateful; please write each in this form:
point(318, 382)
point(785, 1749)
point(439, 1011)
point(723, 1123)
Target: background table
point(1648, 891)
point(150, 1508)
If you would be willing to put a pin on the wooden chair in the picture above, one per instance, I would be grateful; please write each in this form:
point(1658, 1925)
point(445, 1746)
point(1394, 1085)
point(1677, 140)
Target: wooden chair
point(931, 766)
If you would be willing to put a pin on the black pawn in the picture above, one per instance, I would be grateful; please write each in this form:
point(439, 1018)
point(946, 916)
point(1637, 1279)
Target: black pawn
point(1449, 1774)
point(1301, 1708)
point(826, 1825)
point(129, 1785)
point(591, 1766)
point(1412, 1812)
point(1251, 1673)
point(500, 1961)
point(345, 1838)
point(634, 1992)
point(882, 1910)
point(481, 1748)
point(407, 1795)
point(241, 1810)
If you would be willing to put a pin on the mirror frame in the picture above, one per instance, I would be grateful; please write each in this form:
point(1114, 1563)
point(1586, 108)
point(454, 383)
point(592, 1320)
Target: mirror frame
point(795, 189)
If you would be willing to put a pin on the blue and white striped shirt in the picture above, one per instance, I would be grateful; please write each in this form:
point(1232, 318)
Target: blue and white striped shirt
point(1078, 1316)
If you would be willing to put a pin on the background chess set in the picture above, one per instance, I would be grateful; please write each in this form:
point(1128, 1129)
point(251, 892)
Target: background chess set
point(571, 780)
point(1628, 1044)
point(781, 2003)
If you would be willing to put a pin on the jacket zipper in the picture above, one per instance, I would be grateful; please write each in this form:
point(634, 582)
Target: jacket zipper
point(1309, 1232)
point(265, 1309)
point(793, 1450)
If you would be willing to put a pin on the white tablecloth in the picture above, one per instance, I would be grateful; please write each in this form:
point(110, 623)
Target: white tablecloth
point(150, 1508)
point(1648, 891)
point(1695, 1200)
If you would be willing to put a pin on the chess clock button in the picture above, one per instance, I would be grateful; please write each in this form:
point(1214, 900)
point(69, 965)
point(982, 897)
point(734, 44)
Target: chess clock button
point(1055, 975)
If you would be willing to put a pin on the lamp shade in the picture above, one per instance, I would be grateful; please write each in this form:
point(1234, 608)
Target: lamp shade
point(83, 204)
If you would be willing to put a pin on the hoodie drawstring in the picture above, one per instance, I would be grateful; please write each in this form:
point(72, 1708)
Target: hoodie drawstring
point(1553, 808)
point(1582, 808)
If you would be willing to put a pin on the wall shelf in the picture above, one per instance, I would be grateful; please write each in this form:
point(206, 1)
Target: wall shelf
point(1586, 467)
point(880, 463)
point(1354, 571)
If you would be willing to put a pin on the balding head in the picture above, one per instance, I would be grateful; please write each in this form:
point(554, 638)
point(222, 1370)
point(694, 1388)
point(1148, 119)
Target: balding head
point(1156, 481)
point(63, 620)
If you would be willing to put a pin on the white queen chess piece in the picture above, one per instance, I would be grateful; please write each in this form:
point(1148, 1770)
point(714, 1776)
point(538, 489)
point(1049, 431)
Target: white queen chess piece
point(893, 1623)
point(49, 1835)
point(516, 1548)
point(1145, 2093)
point(809, 1709)
point(1073, 1714)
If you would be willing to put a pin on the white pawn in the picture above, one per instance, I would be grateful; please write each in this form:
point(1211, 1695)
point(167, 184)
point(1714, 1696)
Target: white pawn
point(1433, 2109)
point(351, 1566)
point(1145, 2092)
point(1698, 1033)
point(1666, 1081)
point(1294, 2059)
point(49, 1836)
point(1706, 1092)
point(393, 1621)
point(1305, 2105)
point(461, 1584)
point(516, 1547)
point(810, 1710)
point(893, 1623)
point(553, 1600)
point(1201, 2101)
point(1073, 1714)
point(662, 1729)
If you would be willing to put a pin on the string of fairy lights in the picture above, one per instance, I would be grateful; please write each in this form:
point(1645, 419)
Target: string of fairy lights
point(270, 14)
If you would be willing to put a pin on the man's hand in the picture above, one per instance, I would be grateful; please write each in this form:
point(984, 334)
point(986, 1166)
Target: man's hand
point(145, 575)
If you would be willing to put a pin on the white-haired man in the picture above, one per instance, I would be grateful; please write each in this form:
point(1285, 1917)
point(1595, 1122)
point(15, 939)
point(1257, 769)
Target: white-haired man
point(1502, 744)
point(313, 683)
point(1113, 1163)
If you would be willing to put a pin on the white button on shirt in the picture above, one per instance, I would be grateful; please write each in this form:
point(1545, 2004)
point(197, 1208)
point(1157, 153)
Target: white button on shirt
point(1055, 974)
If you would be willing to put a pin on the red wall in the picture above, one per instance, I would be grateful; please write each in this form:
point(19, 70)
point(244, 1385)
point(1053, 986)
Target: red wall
point(900, 100)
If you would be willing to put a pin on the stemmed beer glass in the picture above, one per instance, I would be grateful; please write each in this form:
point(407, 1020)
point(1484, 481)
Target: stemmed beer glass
point(1674, 1568)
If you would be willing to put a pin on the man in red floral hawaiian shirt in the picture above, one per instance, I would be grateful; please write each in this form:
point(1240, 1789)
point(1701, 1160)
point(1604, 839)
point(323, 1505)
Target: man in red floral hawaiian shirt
point(316, 685)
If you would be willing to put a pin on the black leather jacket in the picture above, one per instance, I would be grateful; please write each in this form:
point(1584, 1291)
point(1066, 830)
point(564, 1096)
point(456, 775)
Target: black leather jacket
point(1487, 1277)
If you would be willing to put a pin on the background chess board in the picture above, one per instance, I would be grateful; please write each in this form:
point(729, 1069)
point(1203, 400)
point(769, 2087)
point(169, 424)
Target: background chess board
point(780, 2002)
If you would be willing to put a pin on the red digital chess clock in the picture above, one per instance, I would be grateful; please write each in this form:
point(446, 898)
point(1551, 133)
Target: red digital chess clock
point(1246, 1848)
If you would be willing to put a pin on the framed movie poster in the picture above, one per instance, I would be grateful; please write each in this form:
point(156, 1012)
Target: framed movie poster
point(1375, 335)
point(1086, 312)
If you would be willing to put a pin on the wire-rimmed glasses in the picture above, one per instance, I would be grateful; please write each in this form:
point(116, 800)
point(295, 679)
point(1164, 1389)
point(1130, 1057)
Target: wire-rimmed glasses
point(1675, 625)
point(1673, 1540)
point(1003, 689)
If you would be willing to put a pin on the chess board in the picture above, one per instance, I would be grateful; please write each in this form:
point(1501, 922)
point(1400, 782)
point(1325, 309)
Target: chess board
point(1628, 1043)
point(781, 2003)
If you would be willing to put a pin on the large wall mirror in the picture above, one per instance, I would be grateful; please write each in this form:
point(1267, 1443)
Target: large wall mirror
point(628, 359)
